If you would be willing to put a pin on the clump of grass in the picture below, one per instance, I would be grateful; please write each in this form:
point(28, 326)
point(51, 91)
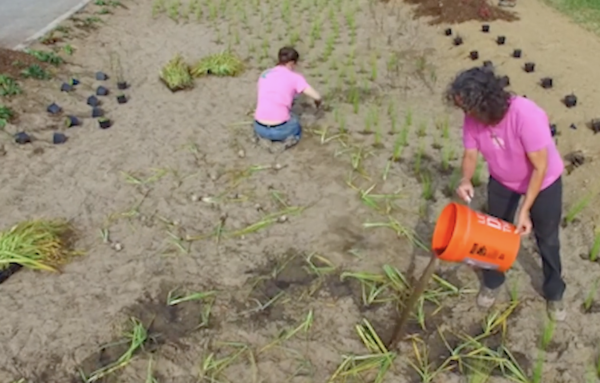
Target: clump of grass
point(176, 74)
point(6, 114)
point(8, 86)
point(223, 64)
point(577, 208)
point(36, 72)
point(40, 244)
point(590, 297)
point(595, 250)
point(47, 57)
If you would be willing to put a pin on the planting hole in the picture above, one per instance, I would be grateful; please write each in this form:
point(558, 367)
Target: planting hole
point(474, 55)
point(529, 67)
point(595, 125)
point(448, 32)
point(547, 83)
point(501, 40)
point(458, 41)
point(122, 85)
point(573, 126)
point(504, 81)
point(570, 100)
point(485, 28)
point(517, 53)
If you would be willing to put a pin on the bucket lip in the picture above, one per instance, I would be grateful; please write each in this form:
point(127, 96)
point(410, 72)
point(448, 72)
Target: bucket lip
point(454, 240)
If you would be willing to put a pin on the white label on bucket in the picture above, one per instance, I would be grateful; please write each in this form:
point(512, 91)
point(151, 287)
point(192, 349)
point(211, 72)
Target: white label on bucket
point(481, 265)
point(494, 223)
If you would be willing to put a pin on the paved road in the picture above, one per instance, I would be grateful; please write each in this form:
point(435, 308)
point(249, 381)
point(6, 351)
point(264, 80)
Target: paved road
point(20, 19)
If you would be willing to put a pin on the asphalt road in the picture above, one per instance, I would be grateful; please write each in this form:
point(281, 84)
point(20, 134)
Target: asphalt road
point(20, 19)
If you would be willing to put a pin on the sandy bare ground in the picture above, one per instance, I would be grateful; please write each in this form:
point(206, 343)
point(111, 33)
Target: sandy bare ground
point(179, 183)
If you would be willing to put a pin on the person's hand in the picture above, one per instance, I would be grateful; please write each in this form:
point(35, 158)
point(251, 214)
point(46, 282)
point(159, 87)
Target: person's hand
point(318, 103)
point(465, 190)
point(524, 224)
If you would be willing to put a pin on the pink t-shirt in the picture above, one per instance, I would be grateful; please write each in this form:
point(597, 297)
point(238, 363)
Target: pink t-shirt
point(277, 88)
point(525, 128)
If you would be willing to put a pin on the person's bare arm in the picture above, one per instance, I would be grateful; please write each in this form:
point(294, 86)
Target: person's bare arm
point(312, 93)
point(539, 161)
point(469, 163)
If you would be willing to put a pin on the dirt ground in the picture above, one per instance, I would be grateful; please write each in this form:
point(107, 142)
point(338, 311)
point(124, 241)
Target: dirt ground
point(172, 195)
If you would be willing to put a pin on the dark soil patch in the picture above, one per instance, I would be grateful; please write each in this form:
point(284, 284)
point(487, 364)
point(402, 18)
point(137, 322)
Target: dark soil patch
point(12, 62)
point(165, 324)
point(459, 11)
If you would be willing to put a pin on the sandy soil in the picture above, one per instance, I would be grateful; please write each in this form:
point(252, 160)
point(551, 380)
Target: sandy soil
point(176, 166)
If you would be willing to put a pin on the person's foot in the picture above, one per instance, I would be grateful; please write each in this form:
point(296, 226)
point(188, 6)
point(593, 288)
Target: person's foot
point(556, 310)
point(487, 297)
point(507, 3)
point(290, 142)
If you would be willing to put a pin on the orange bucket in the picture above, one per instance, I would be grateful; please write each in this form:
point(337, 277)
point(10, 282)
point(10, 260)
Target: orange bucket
point(464, 235)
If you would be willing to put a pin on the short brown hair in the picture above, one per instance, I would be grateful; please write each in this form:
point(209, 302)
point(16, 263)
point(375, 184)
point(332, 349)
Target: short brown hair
point(287, 55)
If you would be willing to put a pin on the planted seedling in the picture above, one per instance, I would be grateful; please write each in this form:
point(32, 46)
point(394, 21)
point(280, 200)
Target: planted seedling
point(66, 87)
point(529, 67)
point(474, 55)
point(553, 130)
point(517, 53)
point(53, 108)
point(504, 81)
point(93, 101)
point(448, 32)
point(595, 250)
point(102, 91)
point(101, 76)
point(485, 28)
point(22, 138)
point(104, 123)
point(589, 304)
point(97, 112)
point(570, 100)
point(595, 125)
point(74, 82)
point(501, 40)
point(457, 41)
point(122, 99)
point(547, 83)
point(71, 121)
point(59, 138)
point(8, 86)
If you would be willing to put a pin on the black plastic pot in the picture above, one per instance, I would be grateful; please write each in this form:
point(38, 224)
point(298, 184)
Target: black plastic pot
point(93, 101)
point(529, 67)
point(101, 76)
point(97, 112)
point(22, 138)
point(102, 91)
point(59, 138)
point(71, 121)
point(104, 123)
point(122, 85)
point(458, 41)
point(547, 83)
point(8, 271)
point(553, 130)
point(504, 81)
point(474, 55)
point(595, 125)
point(501, 40)
point(517, 53)
point(448, 32)
point(570, 100)
point(74, 82)
point(485, 28)
point(573, 126)
point(53, 108)
point(66, 87)
point(122, 99)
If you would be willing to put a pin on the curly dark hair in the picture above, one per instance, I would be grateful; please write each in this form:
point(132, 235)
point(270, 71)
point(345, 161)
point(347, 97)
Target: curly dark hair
point(481, 94)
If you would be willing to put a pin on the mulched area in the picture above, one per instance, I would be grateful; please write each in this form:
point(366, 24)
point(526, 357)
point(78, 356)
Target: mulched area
point(460, 11)
point(12, 62)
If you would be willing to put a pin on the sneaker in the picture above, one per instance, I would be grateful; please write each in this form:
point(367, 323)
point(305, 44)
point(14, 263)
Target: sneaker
point(487, 297)
point(507, 3)
point(556, 310)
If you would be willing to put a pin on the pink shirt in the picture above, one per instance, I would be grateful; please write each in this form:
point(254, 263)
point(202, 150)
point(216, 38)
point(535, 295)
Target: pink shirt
point(525, 128)
point(277, 88)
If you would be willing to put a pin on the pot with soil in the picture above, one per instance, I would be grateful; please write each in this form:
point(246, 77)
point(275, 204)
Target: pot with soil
point(529, 67)
point(104, 123)
point(457, 41)
point(474, 55)
point(517, 53)
point(122, 99)
point(504, 81)
point(595, 125)
point(101, 76)
point(66, 87)
point(53, 108)
point(485, 28)
point(59, 138)
point(122, 85)
point(102, 91)
point(93, 101)
point(97, 112)
point(448, 32)
point(570, 100)
point(73, 82)
point(22, 138)
point(547, 83)
point(501, 40)
point(71, 121)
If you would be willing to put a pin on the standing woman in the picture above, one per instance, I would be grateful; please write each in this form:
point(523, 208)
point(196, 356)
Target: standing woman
point(277, 89)
point(513, 135)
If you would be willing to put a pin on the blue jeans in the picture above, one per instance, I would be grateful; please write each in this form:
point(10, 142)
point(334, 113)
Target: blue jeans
point(281, 132)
